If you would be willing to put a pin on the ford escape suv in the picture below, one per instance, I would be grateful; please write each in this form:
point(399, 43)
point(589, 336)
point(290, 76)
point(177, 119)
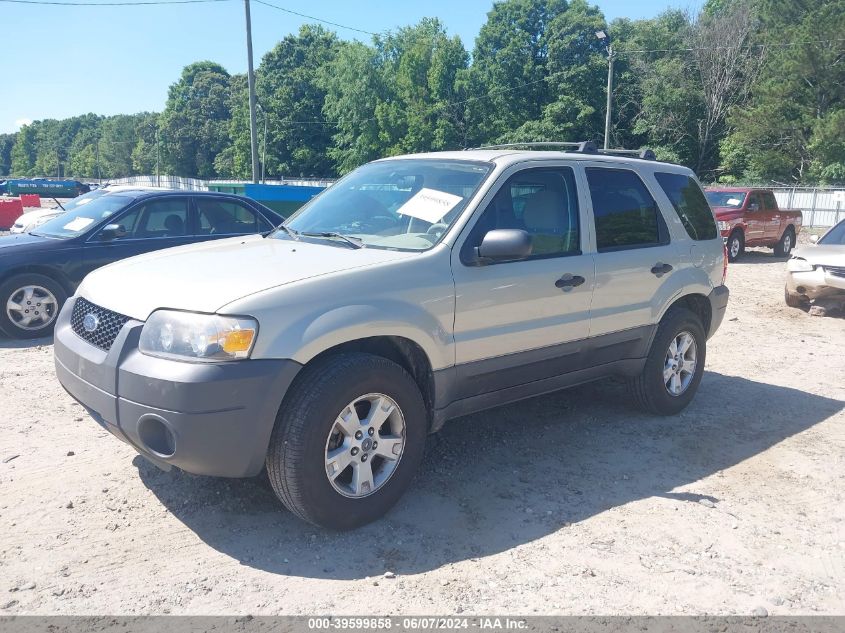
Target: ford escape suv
point(414, 290)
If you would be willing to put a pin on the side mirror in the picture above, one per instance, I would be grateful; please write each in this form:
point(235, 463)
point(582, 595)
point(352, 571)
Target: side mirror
point(753, 206)
point(112, 232)
point(814, 239)
point(504, 245)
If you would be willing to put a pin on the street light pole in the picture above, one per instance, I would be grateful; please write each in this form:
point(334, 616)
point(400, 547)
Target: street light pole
point(253, 141)
point(264, 150)
point(158, 160)
point(604, 37)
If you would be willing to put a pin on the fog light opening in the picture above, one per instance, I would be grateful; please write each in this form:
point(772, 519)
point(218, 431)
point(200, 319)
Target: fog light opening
point(156, 436)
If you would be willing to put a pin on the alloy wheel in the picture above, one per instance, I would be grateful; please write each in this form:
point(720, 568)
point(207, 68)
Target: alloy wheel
point(32, 307)
point(680, 364)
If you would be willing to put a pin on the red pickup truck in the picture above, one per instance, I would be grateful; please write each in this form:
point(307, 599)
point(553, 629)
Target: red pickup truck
point(751, 217)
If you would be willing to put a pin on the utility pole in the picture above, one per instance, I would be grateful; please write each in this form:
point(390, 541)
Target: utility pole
point(158, 160)
point(605, 38)
point(253, 140)
point(100, 180)
point(58, 164)
point(264, 151)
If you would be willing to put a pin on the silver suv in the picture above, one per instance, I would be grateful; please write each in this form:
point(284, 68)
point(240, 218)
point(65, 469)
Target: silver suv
point(416, 289)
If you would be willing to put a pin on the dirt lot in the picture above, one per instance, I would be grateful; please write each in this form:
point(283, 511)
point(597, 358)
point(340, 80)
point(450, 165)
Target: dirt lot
point(568, 504)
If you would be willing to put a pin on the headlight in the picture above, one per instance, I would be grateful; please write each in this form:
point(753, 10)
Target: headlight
point(199, 337)
point(724, 226)
point(799, 265)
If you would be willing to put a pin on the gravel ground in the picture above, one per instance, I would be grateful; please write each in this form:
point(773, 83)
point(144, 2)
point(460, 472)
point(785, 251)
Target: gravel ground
point(573, 503)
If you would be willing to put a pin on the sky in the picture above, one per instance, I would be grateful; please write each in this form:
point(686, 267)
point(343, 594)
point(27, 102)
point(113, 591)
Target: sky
point(61, 61)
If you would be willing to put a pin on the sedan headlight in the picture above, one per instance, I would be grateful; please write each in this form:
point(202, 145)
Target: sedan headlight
point(799, 265)
point(197, 337)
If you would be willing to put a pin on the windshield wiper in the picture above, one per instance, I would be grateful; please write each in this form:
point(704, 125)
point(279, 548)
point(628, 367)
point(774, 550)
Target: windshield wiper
point(353, 241)
point(289, 231)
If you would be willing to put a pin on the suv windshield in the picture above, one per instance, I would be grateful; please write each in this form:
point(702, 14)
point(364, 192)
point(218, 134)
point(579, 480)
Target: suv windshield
point(403, 204)
point(730, 199)
point(82, 217)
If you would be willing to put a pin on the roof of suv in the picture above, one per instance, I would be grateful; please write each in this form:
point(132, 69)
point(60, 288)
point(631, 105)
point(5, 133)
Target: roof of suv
point(505, 157)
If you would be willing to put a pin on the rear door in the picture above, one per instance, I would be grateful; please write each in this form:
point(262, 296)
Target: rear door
point(772, 215)
point(150, 225)
point(634, 258)
point(520, 321)
point(219, 217)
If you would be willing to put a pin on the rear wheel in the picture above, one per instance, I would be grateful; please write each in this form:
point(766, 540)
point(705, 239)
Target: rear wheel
point(347, 441)
point(29, 305)
point(736, 246)
point(787, 242)
point(674, 366)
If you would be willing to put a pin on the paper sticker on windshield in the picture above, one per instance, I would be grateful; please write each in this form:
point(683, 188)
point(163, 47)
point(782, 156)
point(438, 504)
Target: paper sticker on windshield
point(429, 205)
point(734, 201)
point(77, 224)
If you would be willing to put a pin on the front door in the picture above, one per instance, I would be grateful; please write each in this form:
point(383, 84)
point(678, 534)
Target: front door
point(520, 321)
point(756, 219)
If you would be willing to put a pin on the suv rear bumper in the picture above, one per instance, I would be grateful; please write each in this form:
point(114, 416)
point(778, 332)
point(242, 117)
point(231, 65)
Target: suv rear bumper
point(718, 303)
point(205, 418)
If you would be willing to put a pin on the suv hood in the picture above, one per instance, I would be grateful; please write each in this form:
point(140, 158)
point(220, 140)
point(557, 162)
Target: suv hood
point(205, 277)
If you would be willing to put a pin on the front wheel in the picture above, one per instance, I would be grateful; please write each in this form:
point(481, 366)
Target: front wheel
point(674, 366)
point(29, 305)
point(348, 439)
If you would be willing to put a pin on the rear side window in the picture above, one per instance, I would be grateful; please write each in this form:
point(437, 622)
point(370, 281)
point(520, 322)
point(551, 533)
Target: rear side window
point(226, 217)
point(690, 204)
point(769, 201)
point(626, 215)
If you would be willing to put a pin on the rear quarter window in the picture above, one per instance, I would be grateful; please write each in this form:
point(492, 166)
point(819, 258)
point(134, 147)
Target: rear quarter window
point(690, 204)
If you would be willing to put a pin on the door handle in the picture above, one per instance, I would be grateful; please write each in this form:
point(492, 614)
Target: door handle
point(569, 281)
point(661, 269)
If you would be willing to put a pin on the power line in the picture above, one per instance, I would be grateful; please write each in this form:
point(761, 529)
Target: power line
point(110, 4)
point(311, 17)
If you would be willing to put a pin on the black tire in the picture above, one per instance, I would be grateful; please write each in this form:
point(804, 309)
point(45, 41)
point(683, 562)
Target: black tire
point(11, 286)
point(787, 242)
point(794, 300)
point(296, 457)
point(649, 389)
point(739, 250)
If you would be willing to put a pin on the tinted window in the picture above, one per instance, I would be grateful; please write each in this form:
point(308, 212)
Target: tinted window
point(625, 213)
point(167, 217)
point(754, 202)
point(543, 202)
point(769, 200)
point(690, 204)
point(225, 217)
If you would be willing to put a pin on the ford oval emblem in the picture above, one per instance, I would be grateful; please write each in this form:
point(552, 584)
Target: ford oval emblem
point(91, 322)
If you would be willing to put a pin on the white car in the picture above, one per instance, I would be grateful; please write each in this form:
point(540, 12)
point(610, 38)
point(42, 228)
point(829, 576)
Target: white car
point(817, 272)
point(35, 218)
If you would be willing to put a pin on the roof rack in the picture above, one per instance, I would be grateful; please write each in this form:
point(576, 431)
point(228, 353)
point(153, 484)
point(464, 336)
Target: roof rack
point(582, 147)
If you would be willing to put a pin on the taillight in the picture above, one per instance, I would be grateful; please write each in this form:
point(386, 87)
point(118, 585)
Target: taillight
point(724, 262)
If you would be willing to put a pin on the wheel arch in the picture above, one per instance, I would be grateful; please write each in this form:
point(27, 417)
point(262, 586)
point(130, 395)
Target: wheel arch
point(403, 351)
point(699, 305)
point(39, 269)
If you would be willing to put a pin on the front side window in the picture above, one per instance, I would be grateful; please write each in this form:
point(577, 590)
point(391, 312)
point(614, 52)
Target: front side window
point(544, 203)
point(690, 204)
point(167, 217)
point(227, 217)
point(402, 204)
point(626, 215)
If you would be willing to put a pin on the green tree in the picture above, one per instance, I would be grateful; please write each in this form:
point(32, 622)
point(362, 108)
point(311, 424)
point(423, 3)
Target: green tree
point(292, 99)
point(194, 125)
point(7, 142)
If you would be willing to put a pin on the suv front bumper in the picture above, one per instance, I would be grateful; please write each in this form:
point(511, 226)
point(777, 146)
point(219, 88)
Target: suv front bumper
point(205, 418)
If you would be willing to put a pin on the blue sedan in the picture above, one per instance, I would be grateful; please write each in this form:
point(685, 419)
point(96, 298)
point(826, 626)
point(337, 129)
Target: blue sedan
point(41, 269)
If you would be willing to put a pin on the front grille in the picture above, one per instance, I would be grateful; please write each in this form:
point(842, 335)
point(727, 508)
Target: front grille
point(836, 271)
point(108, 323)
